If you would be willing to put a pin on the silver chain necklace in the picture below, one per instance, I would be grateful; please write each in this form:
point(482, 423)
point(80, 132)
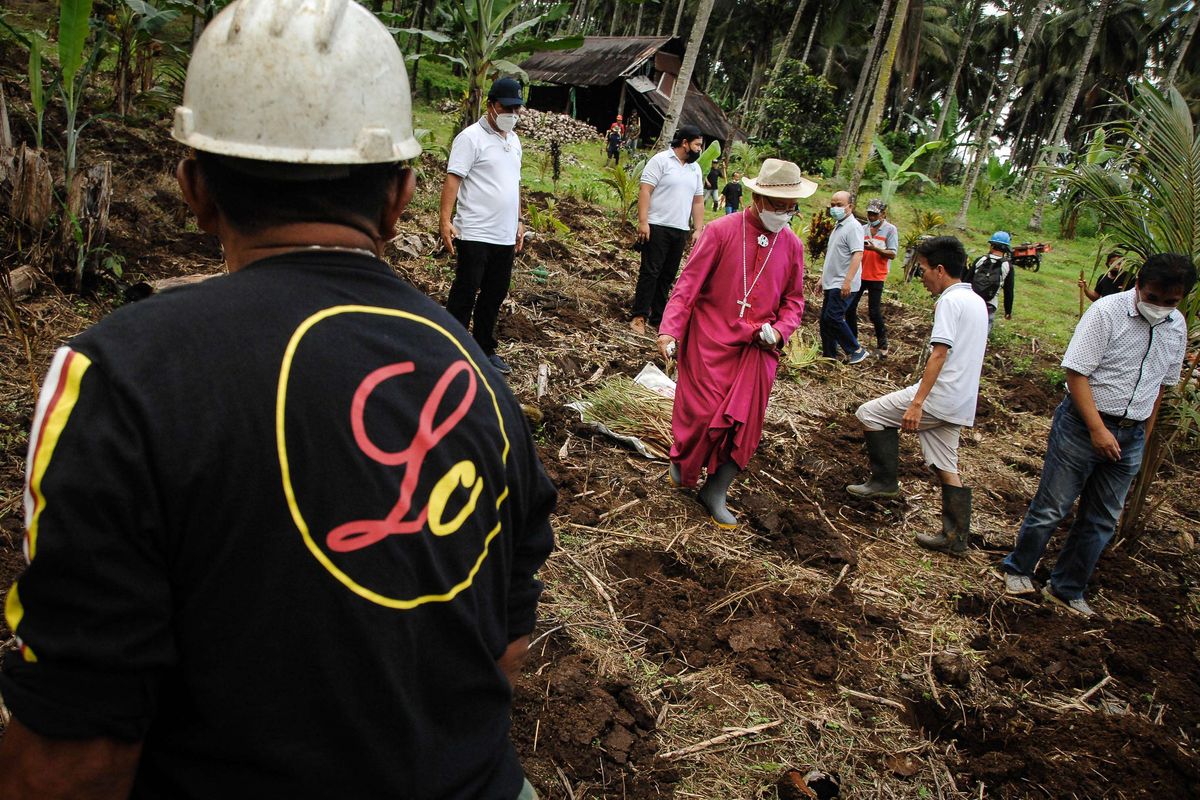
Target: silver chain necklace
point(360, 250)
point(744, 302)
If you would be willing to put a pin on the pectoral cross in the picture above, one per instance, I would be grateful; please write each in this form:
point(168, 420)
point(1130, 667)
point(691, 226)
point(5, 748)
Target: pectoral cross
point(744, 306)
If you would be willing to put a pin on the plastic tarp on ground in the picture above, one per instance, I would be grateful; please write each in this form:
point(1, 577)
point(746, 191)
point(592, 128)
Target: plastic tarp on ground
point(652, 378)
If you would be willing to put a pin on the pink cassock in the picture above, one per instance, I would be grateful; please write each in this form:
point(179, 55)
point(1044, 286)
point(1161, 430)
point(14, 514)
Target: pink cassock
point(724, 379)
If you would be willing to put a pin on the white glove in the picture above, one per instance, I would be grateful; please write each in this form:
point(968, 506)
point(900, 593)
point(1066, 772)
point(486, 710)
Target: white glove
point(768, 335)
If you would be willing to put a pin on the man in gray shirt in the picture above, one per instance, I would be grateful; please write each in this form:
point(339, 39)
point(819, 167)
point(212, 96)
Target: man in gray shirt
point(841, 279)
point(1125, 351)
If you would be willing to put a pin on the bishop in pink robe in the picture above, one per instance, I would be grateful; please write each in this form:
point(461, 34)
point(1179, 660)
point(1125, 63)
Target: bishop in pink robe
point(725, 373)
point(738, 300)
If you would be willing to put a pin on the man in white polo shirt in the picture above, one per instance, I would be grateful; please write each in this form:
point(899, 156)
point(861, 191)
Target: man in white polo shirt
point(1126, 350)
point(483, 174)
point(672, 194)
point(943, 402)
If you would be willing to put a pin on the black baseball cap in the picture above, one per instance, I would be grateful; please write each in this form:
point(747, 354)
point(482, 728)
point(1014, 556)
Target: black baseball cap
point(506, 92)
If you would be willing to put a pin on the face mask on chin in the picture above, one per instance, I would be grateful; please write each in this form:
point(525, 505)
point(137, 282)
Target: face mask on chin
point(837, 212)
point(875, 223)
point(506, 122)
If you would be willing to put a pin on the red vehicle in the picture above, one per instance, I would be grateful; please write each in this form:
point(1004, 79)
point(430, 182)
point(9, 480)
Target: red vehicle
point(1029, 255)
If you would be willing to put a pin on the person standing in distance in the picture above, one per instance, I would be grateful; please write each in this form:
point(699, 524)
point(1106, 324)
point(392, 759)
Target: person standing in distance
point(301, 474)
point(671, 196)
point(483, 191)
point(841, 278)
point(992, 273)
point(880, 243)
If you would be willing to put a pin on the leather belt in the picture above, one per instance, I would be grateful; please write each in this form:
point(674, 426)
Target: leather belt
point(1120, 422)
point(1108, 419)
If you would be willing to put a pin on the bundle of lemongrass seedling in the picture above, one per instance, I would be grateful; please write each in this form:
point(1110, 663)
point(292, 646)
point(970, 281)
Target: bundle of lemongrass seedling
point(629, 409)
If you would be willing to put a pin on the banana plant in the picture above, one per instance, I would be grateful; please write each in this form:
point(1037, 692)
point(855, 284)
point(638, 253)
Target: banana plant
point(37, 90)
point(135, 25)
point(710, 154)
point(72, 37)
point(898, 175)
point(486, 42)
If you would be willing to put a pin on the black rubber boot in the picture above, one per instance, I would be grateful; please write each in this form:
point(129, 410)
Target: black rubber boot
point(883, 451)
point(956, 523)
point(715, 493)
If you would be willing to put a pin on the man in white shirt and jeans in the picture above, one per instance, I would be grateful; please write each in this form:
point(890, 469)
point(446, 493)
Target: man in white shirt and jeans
point(943, 402)
point(483, 174)
point(1126, 350)
point(671, 195)
point(841, 279)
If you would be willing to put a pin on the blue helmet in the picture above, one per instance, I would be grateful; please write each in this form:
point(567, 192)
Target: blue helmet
point(1001, 237)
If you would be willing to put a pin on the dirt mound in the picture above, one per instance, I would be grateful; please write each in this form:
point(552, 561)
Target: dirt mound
point(1021, 756)
point(787, 640)
point(596, 735)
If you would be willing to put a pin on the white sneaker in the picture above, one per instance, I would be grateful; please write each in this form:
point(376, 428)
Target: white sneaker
point(1018, 585)
point(1078, 605)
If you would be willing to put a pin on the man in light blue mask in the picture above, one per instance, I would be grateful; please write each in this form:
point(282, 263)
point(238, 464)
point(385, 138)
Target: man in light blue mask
point(840, 279)
point(1125, 351)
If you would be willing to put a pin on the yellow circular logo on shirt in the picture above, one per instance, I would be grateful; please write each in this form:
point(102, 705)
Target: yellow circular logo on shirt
point(426, 505)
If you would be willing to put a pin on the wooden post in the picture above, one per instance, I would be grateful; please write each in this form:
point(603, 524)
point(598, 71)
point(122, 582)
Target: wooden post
point(1081, 279)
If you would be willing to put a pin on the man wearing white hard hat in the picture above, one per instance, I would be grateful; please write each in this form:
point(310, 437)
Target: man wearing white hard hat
point(738, 299)
point(283, 525)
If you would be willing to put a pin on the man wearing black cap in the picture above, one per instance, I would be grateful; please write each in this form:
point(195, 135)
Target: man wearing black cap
point(672, 194)
point(483, 174)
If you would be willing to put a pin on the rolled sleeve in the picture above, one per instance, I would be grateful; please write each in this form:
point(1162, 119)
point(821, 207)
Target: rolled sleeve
point(1176, 359)
point(1089, 343)
point(92, 610)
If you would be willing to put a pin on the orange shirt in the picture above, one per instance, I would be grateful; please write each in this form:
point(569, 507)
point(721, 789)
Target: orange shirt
point(875, 266)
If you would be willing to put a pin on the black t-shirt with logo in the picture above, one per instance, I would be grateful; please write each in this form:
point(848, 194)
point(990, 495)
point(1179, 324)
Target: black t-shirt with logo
point(282, 525)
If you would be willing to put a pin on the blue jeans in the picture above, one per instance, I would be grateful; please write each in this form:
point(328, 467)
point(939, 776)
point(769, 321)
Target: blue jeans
point(834, 330)
point(1073, 469)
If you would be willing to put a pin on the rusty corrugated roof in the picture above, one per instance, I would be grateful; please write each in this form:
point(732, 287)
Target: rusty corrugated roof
point(599, 61)
point(699, 110)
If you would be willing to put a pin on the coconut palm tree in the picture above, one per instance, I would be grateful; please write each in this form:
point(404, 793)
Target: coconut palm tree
point(881, 88)
point(1067, 108)
point(1032, 25)
point(684, 79)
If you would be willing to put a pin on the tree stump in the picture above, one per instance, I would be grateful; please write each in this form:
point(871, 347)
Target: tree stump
point(32, 189)
point(86, 224)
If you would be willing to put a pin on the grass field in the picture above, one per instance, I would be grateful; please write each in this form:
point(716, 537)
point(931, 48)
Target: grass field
point(1046, 307)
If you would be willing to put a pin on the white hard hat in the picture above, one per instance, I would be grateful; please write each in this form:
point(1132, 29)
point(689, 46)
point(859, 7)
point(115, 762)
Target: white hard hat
point(299, 82)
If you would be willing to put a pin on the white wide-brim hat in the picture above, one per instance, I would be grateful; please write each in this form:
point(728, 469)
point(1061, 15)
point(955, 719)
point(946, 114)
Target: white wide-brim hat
point(782, 179)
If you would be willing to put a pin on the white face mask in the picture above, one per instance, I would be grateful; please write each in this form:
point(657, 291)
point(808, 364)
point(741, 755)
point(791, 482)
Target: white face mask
point(1153, 314)
point(774, 221)
point(506, 122)
point(837, 212)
